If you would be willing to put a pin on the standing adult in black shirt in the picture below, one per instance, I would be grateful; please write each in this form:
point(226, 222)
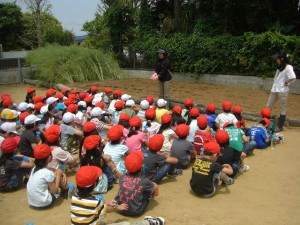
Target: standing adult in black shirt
point(162, 69)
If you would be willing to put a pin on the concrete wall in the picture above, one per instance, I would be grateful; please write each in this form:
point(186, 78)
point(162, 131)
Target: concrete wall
point(227, 80)
point(14, 75)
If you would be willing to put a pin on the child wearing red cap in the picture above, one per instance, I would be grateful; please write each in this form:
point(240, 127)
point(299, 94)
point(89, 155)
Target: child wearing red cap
point(237, 112)
point(116, 97)
point(176, 117)
point(188, 104)
point(116, 150)
point(207, 173)
point(152, 126)
point(211, 115)
point(181, 148)
point(43, 184)
point(60, 158)
point(229, 155)
point(135, 190)
point(158, 165)
point(136, 138)
point(225, 116)
point(192, 123)
point(266, 113)
point(13, 169)
point(30, 93)
point(167, 132)
point(201, 136)
point(106, 95)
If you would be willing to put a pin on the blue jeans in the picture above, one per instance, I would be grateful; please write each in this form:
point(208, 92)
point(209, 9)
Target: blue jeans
point(15, 181)
point(162, 171)
point(249, 147)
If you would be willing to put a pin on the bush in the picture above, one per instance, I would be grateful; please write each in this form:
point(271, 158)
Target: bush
point(57, 64)
point(249, 54)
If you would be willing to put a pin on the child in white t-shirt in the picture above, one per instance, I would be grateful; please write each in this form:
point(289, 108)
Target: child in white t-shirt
point(225, 116)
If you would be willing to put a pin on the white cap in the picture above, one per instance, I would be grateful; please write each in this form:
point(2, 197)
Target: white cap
point(96, 100)
point(23, 106)
point(68, 117)
point(144, 104)
point(50, 100)
point(130, 102)
point(31, 119)
point(97, 111)
point(82, 103)
point(161, 102)
point(9, 127)
point(125, 97)
point(44, 109)
point(98, 95)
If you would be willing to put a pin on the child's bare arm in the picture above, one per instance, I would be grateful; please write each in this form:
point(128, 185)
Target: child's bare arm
point(113, 206)
point(172, 160)
point(227, 169)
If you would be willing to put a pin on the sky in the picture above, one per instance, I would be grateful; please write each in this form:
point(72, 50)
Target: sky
point(71, 13)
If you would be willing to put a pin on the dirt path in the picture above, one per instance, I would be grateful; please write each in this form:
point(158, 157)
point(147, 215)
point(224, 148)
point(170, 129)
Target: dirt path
point(268, 194)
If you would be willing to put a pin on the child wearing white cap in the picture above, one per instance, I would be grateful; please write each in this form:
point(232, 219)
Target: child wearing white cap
point(144, 105)
point(161, 109)
point(130, 108)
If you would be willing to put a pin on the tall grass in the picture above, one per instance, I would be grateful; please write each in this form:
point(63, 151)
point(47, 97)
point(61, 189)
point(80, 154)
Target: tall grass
point(69, 64)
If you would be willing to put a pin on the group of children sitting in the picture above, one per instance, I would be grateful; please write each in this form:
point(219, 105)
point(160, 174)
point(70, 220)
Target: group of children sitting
point(107, 140)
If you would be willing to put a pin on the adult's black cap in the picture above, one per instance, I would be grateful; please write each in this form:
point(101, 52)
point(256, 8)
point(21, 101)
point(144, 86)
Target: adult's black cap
point(161, 51)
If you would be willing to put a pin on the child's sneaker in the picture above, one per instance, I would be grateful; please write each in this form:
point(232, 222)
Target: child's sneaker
point(229, 181)
point(244, 169)
point(155, 220)
point(175, 173)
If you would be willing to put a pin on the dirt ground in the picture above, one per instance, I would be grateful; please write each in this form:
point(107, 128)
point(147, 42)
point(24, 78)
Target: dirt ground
point(269, 193)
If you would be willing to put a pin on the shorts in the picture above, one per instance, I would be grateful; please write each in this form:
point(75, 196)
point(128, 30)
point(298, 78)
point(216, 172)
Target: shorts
point(47, 206)
point(216, 179)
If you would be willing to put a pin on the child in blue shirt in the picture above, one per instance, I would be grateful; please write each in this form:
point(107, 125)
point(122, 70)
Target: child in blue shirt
point(259, 134)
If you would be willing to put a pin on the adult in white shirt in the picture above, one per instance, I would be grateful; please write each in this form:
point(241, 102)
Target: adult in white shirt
point(284, 76)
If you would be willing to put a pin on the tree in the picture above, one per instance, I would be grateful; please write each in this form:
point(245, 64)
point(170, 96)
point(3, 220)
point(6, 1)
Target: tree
point(37, 7)
point(10, 26)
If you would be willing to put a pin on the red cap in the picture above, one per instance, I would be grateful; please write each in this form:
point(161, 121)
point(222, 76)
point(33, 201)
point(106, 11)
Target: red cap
point(38, 98)
point(74, 91)
point(182, 130)
point(177, 109)
point(5, 95)
point(72, 108)
point(150, 114)
point(41, 151)
point(125, 117)
point(150, 99)
point(89, 127)
point(87, 176)
point(226, 105)
point(118, 93)
point(23, 115)
point(237, 109)
point(166, 118)
point(94, 89)
point(156, 142)
point(59, 95)
point(38, 106)
point(50, 92)
point(212, 147)
point(107, 90)
point(9, 145)
point(83, 95)
point(52, 134)
point(188, 102)
point(135, 122)
point(119, 105)
point(194, 112)
point(222, 137)
point(69, 101)
point(72, 97)
point(202, 122)
point(115, 133)
point(64, 91)
point(133, 162)
point(267, 122)
point(88, 99)
point(30, 90)
point(91, 142)
point(211, 107)
point(265, 112)
point(101, 105)
point(7, 102)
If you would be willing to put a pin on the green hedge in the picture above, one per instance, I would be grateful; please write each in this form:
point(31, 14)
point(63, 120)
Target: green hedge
point(59, 64)
point(248, 54)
